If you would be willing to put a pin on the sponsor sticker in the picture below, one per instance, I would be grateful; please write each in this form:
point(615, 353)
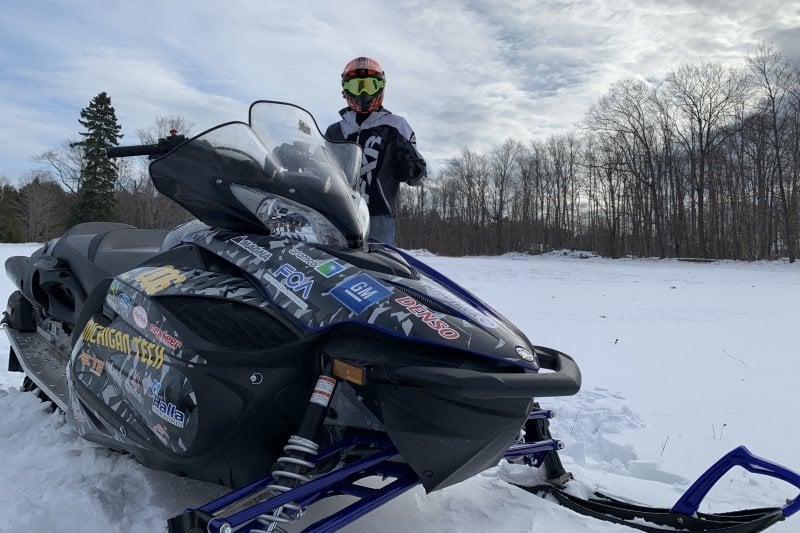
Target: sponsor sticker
point(166, 410)
point(303, 257)
point(295, 280)
point(147, 352)
point(161, 431)
point(359, 292)
point(165, 337)
point(158, 279)
point(254, 249)
point(459, 304)
point(124, 302)
point(140, 316)
point(93, 363)
point(329, 268)
point(428, 317)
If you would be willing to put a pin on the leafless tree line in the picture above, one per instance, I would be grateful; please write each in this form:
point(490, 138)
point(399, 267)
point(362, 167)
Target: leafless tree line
point(704, 164)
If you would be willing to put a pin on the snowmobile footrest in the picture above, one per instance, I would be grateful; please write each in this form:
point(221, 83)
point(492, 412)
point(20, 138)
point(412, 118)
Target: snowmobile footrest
point(43, 363)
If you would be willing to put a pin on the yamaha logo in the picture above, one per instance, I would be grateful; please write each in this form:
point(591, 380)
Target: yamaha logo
point(525, 354)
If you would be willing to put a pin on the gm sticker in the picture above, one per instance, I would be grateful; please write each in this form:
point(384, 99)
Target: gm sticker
point(360, 292)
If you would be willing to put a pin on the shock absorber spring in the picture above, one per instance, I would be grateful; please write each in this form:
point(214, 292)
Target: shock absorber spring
point(291, 470)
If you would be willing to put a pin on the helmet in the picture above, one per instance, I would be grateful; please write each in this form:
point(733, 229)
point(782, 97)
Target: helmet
point(363, 81)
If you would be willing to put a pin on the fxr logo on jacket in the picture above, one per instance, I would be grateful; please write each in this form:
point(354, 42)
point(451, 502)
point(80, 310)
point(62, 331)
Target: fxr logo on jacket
point(369, 162)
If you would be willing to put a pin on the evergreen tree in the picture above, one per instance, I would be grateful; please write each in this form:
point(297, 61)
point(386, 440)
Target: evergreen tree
point(99, 173)
point(10, 223)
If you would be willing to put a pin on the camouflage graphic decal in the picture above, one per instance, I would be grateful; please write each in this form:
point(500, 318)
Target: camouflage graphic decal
point(318, 290)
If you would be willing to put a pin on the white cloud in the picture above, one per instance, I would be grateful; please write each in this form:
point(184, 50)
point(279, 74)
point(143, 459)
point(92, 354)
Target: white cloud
point(465, 73)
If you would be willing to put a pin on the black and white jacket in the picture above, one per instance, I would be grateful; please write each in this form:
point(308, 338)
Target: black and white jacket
point(390, 156)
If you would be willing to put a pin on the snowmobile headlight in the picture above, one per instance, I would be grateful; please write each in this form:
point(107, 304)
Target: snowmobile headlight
point(287, 218)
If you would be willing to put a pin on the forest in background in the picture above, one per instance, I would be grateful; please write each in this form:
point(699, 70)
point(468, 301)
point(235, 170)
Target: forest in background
point(704, 163)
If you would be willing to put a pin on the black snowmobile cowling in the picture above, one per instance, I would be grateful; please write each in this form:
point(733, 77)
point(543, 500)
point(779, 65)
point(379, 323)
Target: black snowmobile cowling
point(269, 346)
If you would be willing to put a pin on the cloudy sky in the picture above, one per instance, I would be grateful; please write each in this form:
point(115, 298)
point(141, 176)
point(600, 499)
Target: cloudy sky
point(465, 73)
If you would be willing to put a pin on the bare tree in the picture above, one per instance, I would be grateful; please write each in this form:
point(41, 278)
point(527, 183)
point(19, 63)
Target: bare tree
point(707, 164)
point(774, 79)
point(65, 163)
point(140, 203)
point(705, 98)
point(503, 166)
point(163, 126)
point(628, 114)
point(42, 206)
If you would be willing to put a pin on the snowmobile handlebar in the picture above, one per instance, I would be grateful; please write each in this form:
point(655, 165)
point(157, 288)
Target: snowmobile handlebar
point(163, 146)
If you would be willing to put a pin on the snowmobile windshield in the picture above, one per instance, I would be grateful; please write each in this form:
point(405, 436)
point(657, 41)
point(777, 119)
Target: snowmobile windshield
point(276, 175)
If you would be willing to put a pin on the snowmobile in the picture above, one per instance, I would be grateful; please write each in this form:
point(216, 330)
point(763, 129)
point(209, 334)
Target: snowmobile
point(271, 347)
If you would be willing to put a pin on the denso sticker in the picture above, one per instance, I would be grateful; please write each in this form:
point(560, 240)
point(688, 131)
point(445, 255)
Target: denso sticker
point(428, 317)
point(359, 292)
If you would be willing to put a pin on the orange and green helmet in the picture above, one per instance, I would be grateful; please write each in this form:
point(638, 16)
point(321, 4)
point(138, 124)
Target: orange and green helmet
point(363, 82)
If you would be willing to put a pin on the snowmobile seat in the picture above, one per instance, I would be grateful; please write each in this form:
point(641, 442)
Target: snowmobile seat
point(97, 250)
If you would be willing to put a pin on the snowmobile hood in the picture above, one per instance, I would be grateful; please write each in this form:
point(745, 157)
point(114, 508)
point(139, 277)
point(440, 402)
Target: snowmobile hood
point(383, 288)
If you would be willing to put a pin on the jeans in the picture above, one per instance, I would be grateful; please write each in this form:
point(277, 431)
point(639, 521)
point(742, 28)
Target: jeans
point(382, 228)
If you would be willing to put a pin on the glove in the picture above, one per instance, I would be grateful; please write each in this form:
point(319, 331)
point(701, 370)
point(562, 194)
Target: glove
point(410, 166)
point(292, 156)
point(416, 170)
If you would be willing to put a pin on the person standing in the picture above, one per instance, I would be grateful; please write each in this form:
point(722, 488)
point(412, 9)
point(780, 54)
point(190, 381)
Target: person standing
point(390, 154)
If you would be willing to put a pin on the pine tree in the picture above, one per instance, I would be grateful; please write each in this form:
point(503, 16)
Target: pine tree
point(10, 222)
point(99, 174)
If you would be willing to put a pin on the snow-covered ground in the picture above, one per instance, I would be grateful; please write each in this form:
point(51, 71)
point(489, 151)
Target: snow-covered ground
point(681, 362)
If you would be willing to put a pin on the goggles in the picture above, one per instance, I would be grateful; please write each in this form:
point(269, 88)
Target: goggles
point(356, 86)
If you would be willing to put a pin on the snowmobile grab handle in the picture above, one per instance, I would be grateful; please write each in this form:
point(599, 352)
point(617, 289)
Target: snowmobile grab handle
point(565, 380)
